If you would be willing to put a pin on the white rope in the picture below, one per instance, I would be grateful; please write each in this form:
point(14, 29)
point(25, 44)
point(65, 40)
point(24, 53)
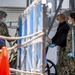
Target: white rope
point(25, 43)
point(25, 72)
point(18, 38)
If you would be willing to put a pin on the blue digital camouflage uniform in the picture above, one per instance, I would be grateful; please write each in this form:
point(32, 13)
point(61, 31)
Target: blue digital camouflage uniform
point(66, 65)
point(3, 32)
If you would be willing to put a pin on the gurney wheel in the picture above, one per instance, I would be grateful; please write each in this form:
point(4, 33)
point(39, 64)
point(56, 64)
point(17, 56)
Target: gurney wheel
point(50, 66)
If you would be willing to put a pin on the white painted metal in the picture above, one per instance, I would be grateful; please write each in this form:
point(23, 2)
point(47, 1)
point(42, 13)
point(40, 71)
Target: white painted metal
point(35, 2)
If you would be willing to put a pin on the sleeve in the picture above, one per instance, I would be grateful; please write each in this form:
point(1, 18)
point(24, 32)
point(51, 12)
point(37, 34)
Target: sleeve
point(69, 42)
point(5, 31)
point(54, 37)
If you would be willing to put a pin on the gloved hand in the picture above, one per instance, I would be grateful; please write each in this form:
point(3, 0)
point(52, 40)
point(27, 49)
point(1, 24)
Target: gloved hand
point(70, 54)
point(52, 45)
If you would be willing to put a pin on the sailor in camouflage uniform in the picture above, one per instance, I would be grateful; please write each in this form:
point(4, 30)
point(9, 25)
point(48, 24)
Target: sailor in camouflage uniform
point(3, 28)
point(66, 64)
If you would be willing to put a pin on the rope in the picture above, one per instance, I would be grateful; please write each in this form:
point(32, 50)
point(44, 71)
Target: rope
point(24, 72)
point(25, 43)
point(18, 38)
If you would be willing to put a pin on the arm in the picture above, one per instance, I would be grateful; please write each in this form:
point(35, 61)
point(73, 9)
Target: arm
point(61, 36)
point(69, 42)
point(6, 32)
point(54, 37)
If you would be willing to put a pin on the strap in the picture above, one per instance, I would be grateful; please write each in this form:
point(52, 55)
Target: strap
point(13, 53)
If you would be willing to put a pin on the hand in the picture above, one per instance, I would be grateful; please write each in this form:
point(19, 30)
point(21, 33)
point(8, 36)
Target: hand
point(70, 54)
point(52, 45)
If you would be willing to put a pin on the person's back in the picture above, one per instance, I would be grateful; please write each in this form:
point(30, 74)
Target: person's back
point(61, 35)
